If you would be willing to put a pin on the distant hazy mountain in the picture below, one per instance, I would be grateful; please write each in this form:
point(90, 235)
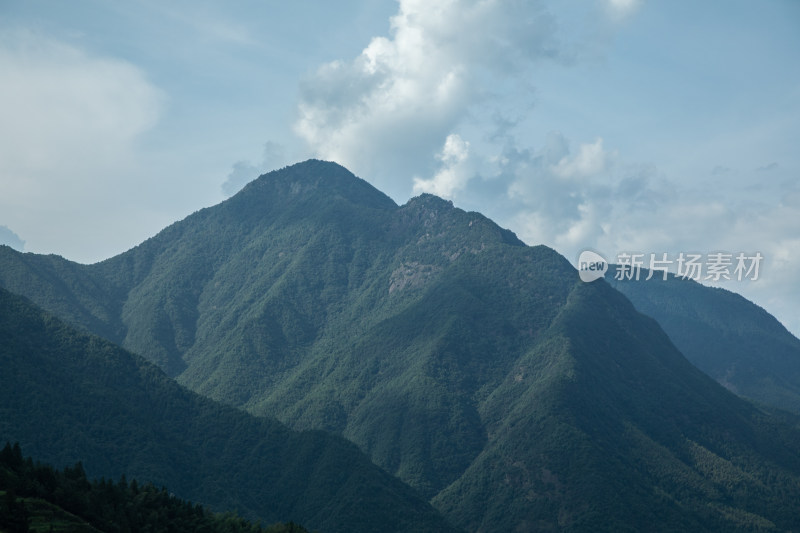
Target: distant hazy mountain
point(477, 369)
point(67, 397)
point(728, 337)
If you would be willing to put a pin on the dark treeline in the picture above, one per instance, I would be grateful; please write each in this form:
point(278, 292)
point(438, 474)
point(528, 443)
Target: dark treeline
point(105, 505)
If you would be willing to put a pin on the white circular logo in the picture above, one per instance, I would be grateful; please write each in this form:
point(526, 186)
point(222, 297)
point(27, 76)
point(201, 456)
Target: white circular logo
point(591, 266)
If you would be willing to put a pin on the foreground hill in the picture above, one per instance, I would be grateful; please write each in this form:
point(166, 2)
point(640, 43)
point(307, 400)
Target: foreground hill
point(69, 397)
point(730, 338)
point(38, 497)
point(475, 368)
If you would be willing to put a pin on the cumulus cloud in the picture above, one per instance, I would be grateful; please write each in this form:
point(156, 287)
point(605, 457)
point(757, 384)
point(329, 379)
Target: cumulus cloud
point(454, 173)
point(563, 198)
point(591, 160)
point(398, 102)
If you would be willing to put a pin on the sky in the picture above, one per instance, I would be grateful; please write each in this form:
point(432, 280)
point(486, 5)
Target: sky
point(618, 126)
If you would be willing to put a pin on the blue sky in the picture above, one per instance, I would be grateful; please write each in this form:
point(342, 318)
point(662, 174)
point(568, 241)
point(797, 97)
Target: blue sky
point(616, 125)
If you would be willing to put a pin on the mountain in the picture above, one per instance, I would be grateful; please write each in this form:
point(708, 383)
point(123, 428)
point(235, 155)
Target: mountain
point(68, 396)
point(730, 338)
point(479, 370)
point(607, 427)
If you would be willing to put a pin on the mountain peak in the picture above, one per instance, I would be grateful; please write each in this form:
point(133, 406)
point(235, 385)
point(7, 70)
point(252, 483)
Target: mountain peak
point(430, 201)
point(432, 211)
point(313, 178)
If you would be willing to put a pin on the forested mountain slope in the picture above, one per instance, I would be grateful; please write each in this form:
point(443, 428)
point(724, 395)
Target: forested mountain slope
point(477, 369)
point(68, 397)
point(730, 338)
point(38, 497)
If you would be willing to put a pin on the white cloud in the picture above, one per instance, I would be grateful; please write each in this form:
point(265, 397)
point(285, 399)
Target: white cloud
point(560, 196)
point(773, 230)
point(615, 206)
point(592, 159)
point(454, 172)
point(63, 109)
point(400, 99)
point(70, 122)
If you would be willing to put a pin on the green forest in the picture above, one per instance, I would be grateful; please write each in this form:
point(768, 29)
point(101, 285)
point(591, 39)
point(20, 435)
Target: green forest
point(67, 396)
point(37, 497)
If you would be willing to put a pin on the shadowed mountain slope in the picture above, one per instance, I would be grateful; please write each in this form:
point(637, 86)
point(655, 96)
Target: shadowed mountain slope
point(68, 397)
point(37, 497)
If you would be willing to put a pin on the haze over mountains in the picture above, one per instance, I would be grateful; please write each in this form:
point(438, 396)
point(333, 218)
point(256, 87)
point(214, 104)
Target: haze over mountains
point(731, 339)
point(478, 370)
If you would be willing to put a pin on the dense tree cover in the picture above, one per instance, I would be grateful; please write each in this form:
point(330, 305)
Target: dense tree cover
point(68, 396)
point(78, 504)
point(608, 428)
point(477, 369)
point(730, 338)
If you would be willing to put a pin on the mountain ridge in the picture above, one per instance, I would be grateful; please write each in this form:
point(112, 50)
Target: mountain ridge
point(733, 340)
point(477, 369)
point(685, 449)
